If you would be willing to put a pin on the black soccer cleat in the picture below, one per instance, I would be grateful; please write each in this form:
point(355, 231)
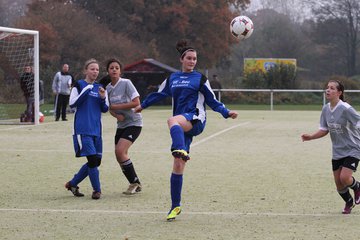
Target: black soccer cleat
point(74, 190)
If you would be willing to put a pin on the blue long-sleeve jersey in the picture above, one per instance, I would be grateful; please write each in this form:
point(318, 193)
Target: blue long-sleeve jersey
point(89, 105)
point(190, 92)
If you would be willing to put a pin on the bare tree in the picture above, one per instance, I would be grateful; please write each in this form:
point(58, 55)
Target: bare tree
point(341, 11)
point(296, 10)
point(158, 25)
point(11, 10)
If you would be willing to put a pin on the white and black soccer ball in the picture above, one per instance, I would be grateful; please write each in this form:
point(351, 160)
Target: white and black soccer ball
point(241, 27)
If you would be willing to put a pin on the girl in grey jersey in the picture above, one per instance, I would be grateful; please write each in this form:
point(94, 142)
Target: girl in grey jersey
point(342, 122)
point(123, 97)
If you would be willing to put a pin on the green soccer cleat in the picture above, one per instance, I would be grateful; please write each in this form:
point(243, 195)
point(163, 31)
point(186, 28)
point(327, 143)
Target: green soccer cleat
point(173, 213)
point(181, 154)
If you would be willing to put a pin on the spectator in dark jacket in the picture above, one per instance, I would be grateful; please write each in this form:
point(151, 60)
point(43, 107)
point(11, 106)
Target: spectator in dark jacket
point(27, 86)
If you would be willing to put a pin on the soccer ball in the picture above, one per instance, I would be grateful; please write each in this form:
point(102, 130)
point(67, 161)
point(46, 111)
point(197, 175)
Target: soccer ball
point(241, 27)
point(41, 117)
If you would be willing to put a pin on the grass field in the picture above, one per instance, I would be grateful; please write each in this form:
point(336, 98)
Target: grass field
point(249, 178)
point(13, 111)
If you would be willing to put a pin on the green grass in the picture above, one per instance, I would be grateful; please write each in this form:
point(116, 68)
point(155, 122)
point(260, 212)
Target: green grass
point(286, 107)
point(249, 178)
point(13, 111)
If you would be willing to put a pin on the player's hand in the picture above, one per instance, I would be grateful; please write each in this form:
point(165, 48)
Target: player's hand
point(233, 114)
point(102, 92)
point(120, 117)
point(306, 137)
point(138, 109)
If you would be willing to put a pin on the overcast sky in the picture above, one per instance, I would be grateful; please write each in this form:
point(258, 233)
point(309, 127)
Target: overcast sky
point(297, 9)
point(254, 5)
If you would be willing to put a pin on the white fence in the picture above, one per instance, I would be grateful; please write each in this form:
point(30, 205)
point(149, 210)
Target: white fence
point(272, 91)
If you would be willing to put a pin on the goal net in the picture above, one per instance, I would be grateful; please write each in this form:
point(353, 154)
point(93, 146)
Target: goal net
point(19, 76)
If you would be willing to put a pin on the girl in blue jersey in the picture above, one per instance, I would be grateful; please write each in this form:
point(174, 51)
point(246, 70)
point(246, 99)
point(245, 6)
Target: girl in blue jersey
point(90, 100)
point(190, 91)
point(343, 123)
point(123, 97)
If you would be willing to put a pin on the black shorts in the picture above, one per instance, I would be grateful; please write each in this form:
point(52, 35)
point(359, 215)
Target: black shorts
point(129, 133)
point(348, 162)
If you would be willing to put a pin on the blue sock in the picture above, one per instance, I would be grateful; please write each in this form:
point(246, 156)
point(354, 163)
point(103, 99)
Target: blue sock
point(177, 136)
point(94, 179)
point(81, 175)
point(175, 189)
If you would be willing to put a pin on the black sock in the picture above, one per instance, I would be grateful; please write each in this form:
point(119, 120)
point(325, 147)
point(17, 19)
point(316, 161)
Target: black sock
point(355, 185)
point(345, 194)
point(129, 171)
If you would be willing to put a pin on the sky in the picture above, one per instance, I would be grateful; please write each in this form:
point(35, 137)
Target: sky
point(254, 5)
point(295, 8)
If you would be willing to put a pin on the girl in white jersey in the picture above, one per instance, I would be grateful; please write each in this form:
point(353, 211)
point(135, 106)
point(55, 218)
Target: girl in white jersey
point(190, 91)
point(123, 97)
point(343, 123)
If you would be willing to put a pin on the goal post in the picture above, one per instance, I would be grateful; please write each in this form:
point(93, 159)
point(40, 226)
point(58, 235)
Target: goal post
point(19, 48)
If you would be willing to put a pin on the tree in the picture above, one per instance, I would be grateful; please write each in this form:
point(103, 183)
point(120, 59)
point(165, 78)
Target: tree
point(278, 36)
point(10, 10)
point(294, 9)
point(162, 23)
point(275, 36)
point(70, 34)
point(330, 17)
point(74, 36)
point(280, 76)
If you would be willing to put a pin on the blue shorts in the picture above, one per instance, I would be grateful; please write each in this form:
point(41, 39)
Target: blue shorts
point(86, 145)
point(198, 127)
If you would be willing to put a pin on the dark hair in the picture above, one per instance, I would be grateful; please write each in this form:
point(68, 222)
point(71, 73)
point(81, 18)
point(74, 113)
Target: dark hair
point(182, 47)
point(105, 80)
point(110, 61)
point(340, 87)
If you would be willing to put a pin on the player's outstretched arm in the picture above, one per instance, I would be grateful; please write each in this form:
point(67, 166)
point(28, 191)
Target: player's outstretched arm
point(316, 135)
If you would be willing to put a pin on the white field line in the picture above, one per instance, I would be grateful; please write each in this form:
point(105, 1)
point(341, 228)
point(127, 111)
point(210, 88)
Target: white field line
point(272, 214)
point(268, 214)
point(158, 151)
point(218, 133)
